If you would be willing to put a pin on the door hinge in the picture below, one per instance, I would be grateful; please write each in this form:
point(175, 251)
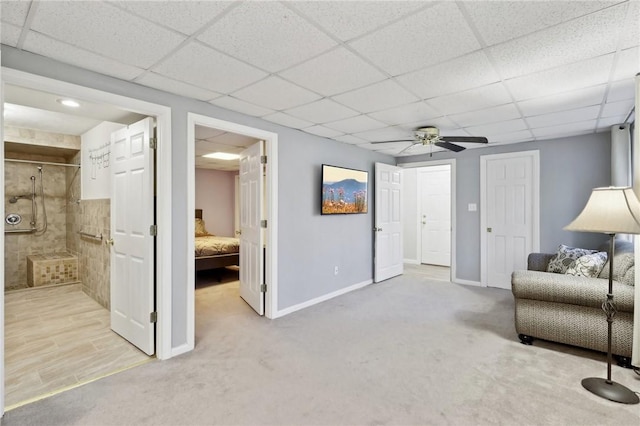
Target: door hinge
point(263, 159)
point(153, 143)
point(153, 317)
point(263, 288)
point(263, 223)
point(153, 230)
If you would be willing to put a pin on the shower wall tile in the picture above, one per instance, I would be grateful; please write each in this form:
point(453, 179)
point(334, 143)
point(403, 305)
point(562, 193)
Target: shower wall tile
point(38, 137)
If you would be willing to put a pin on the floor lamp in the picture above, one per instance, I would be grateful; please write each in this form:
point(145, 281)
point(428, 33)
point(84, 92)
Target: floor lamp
point(610, 211)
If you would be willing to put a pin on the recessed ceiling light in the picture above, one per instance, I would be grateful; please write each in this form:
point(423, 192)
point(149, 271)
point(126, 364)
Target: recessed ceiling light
point(68, 102)
point(222, 156)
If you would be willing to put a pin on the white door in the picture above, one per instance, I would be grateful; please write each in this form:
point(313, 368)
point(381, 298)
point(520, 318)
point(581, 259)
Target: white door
point(388, 222)
point(132, 251)
point(435, 215)
point(251, 232)
point(510, 210)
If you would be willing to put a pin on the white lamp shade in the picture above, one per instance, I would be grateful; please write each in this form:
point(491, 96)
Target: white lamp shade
point(612, 210)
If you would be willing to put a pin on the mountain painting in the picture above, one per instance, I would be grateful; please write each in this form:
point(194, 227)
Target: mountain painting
point(344, 191)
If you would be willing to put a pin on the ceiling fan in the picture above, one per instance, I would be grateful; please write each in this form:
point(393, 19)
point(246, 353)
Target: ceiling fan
point(430, 135)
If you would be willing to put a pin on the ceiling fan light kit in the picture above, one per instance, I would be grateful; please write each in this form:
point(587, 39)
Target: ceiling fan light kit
point(430, 135)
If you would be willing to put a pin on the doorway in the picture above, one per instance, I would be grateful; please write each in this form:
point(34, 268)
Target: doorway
point(163, 267)
point(268, 221)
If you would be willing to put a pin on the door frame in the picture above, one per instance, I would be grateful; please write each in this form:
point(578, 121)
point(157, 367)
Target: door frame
point(271, 211)
point(535, 214)
point(164, 244)
point(451, 162)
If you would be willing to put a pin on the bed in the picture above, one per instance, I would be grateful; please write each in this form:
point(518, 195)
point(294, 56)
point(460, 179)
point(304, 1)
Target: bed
point(212, 251)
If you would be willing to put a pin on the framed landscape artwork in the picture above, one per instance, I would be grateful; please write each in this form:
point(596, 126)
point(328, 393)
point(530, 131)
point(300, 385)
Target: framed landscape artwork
point(344, 191)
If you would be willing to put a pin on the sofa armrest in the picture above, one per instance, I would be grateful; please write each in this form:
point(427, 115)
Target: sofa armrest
point(538, 261)
point(560, 288)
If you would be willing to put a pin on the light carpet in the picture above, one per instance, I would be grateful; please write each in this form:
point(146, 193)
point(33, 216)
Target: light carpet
point(407, 351)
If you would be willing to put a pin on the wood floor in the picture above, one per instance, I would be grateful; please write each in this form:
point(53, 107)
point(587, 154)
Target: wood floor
point(57, 338)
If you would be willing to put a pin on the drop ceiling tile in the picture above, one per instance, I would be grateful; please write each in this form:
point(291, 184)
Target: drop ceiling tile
point(204, 67)
point(322, 111)
point(630, 33)
point(621, 90)
point(564, 101)
point(563, 130)
point(587, 37)
point(386, 134)
point(91, 26)
point(466, 72)
point(272, 36)
point(10, 34)
point(486, 116)
point(287, 120)
point(443, 123)
point(426, 38)
point(42, 45)
point(497, 128)
point(579, 75)
point(360, 123)
point(276, 93)
point(471, 100)
point(14, 12)
point(376, 97)
point(184, 16)
point(235, 141)
point(519, 136)
point(167, 84)
point(617, 109)
point(627, 64)
point(334, 72)
point(558, 118)
point(348, 19)
point(203, 132)
point(410, 113)
point(234, 104)
point(353, 140)
point(322, 131)
point(605, 124)
point(499, 21)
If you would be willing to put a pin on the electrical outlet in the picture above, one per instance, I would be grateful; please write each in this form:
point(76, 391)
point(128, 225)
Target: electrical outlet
point(335, 270)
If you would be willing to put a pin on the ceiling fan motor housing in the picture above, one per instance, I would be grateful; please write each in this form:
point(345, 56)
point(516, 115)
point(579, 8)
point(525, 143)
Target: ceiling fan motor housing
point(428, 134)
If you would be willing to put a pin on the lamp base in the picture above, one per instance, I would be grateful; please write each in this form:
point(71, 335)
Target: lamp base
point(610, 390)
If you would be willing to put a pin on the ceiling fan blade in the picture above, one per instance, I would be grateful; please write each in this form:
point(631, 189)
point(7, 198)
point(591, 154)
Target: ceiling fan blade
point(402, 140)
point(450, 146)
point(466, 139)
point(407, 148)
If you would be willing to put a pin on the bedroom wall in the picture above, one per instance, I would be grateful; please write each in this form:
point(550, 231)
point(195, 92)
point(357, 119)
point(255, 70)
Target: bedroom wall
point(310, 245)
point(215, 195)
point(569, 169)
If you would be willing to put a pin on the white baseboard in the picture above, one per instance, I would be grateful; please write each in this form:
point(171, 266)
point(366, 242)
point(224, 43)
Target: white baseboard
point(411, 261)
point(294, 308)
point(467, 282)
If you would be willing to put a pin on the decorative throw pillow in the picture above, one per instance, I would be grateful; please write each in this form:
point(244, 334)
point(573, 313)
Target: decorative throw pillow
point(200, 229)
point(564, 257)
point(588, 265)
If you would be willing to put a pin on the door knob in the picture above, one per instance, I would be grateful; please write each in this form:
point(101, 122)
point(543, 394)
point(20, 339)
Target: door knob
point(377, 229)
point(109, 241)
point(489, 229)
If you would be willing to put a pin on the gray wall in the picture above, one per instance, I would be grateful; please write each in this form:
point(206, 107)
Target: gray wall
point(569, 169)
point(309, 245)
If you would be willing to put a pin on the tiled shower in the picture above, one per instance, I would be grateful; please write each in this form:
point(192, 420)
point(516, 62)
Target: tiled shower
point(69, 249)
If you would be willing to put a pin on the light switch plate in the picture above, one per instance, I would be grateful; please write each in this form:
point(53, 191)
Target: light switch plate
point(473, 207)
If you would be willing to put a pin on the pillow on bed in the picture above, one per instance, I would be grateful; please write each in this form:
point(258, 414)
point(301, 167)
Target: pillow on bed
point(200, 229)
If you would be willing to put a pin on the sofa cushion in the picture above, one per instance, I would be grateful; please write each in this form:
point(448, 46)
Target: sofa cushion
point(623, 269)
point(565, 256)
point(588, 265)
point(569, 289)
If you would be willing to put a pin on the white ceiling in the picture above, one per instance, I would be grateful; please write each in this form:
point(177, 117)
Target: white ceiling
point(210, 140)
point(363, 71)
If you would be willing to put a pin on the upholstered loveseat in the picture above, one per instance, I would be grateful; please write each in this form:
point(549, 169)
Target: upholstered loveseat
point(568, 309)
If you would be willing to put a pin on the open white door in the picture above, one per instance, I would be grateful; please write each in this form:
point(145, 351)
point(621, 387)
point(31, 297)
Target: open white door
point(251, 233)
point(388, 222)
point(132, 251)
